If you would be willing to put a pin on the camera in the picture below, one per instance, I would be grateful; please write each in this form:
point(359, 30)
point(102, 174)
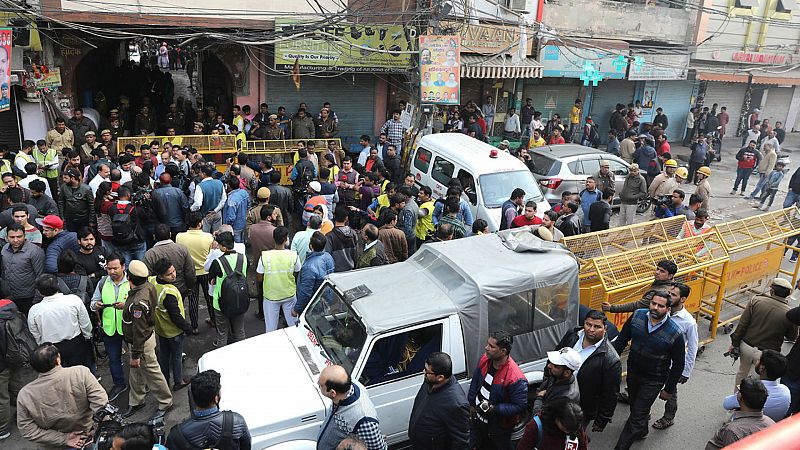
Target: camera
point(663, 200)
point(484, 406)
point(733, 353)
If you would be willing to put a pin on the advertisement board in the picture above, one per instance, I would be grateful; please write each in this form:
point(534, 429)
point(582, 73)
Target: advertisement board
point(440, 69)
point(570, 62)
point(5, 69)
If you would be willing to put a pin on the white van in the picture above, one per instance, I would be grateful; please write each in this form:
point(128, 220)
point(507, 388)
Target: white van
point(488, 175)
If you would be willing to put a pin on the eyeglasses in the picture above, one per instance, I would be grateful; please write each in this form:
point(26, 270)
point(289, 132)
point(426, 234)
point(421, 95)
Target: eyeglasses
point(426, 372)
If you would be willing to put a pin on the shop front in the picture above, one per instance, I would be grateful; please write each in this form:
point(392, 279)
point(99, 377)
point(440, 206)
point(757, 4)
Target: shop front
point(662, 83)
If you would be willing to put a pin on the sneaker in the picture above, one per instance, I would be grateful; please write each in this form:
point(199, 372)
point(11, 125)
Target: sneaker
point(733, 193)
point(765, 208)
point(741, 193)
point(793, 259)
point(4, 435)
point(116, 391)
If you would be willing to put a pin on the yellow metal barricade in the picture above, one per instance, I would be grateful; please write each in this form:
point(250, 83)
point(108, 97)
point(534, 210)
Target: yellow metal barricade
point(223, 144)
point(756, 246)
point(702, 264)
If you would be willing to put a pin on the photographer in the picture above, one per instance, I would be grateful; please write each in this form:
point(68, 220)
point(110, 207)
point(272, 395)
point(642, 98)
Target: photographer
point(136, 436)
point(671, 206)
point(56, 409)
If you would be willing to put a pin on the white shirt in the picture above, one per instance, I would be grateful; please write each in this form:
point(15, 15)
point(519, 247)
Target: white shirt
point(126, 176)
point(26, 183)
point(362, 157)
point(775, 144)
point(59, 318)
point(512, 123)
point(688, 326)
point(536, 125)
point(778, 400)
point(585, 352)
point(198, 197)
point(95, 183)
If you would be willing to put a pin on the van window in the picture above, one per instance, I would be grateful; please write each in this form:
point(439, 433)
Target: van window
point(468, 183)
point(401, 355)
point(544, 165)
point(530, 310)
point(442, 170)
point(422, 161)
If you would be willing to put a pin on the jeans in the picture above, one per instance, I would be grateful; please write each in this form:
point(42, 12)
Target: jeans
point(170, 356)
point(484, 438)
point(113, 346)
point(742, 175)
point(75, 352)
point(767, 193)
point(134, 251)
point(226, 326)
point(272, 312)
point(108, 247)
point(762, 180)
point(212, 223)
point(75, 223)
point(671, 408)
point(643, 393)
point(238, 236)
point(793, 385)
point(792, 199)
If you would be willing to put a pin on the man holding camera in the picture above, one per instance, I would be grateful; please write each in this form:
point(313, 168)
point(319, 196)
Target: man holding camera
point(763, 325)
point(675, 207)
point(55, 410)
point(498, 395)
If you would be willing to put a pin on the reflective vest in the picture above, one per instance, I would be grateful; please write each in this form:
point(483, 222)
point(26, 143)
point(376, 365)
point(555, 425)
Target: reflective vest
point(279, 282)
point(5, 166)
point(164, 326)
point(425, 224)
point(112, 317)
point(383, 202)
point(42, 159)
point(26, 157)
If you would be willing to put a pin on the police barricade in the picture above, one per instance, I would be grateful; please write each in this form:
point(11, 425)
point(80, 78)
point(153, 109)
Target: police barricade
point(756, 246)
point(284, 153)
point(702, 262)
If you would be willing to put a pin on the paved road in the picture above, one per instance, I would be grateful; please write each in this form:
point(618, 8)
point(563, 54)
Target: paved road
point(699, 414)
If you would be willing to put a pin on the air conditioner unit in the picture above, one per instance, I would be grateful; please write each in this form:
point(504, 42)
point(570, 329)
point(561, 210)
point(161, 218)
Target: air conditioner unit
point(518, 5)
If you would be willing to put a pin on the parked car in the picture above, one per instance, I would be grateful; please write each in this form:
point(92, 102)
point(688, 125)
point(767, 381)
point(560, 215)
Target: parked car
point(560, 168)
point(381, 332)
point(487, 174)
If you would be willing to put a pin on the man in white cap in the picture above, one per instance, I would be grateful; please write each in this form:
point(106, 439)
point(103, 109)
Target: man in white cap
point(314, 198)
point(559, 378)
point(274, 130)
point(503, 145)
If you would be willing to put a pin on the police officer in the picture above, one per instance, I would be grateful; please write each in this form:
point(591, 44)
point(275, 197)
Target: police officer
point(138, 320)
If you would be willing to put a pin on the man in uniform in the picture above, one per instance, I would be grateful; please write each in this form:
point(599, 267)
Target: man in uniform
point(703, 186)
point(46, 159)
point(274, 130)
point(138, 319)
point(659, 185)
point(89, 144)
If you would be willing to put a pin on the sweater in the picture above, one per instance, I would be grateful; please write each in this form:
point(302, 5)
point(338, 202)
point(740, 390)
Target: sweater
point(342, 244)
point(633, 190)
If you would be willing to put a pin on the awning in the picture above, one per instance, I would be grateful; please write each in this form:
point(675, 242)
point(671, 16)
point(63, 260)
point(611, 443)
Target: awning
point(718, 76)
point(765, 79)
point(479, 66)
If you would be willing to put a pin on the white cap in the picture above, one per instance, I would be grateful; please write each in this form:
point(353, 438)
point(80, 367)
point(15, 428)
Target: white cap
point(315, 186)
point(567, 356)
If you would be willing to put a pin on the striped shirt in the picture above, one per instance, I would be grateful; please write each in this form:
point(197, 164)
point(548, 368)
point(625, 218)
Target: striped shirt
point(484, 391)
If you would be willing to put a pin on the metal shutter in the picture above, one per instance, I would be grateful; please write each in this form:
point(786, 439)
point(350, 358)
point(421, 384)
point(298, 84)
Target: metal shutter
point(604, 98)
point(675, 97)
point(730, 95)
point(9, 122)
point(776, 108)
point(553, 96)
point(352, 97)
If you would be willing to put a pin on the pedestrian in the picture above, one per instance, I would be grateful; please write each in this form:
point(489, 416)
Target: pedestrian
point(662, 280)
point(138, 319)
point(679, 292)
point(108, 301)
point(177, 254)
point(633, 191)
point(589, 195)
point(342, 241)
point(63, 321)
point(497, 395)
point(763, 325)
point(234, 212)
point(277, 272)
point(600, 371)
point(22, 264)
point(661, 120)
point(351, 411)
point(655, 362)
point(170, 205)
point(748, 419)
point(126, 225)
point(198, 243)
point(56, 409)
point(646, 157)
point(770, 367)
point(688, 136)
point(209, 199)
point(206, 422)
point(440, 415)
point(317, 266)
point(703, 189)
point(570, 224)
point(600, 212)
point(511, 208)
point(748, 159)
point(770, 187)
point(698, 157)
point(226, 261)
point(768, 160)
point(559, 379)
point(373, 253)
point(393, 239)
point(170, 322)
point(76, 202)
point(558, 427)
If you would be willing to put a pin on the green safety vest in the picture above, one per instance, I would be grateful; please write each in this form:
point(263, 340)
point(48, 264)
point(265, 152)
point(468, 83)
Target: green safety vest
point(164, 326)
point(5, 166)
point(218, 285)
point(279, 282)
point(112, 317)
point(425, 224)
point(383, 202)
point(42, 158)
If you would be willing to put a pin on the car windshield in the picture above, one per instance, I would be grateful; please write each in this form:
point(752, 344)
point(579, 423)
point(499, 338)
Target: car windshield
point(544, 165)
point(497, 187)
point(336, 327)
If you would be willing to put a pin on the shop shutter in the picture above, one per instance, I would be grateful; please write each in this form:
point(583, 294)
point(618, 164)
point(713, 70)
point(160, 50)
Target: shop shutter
point(9, 123)
point(776, 109)
point(605, 97)
point(352, 97)
point(553, 96)
point(730, 95)
point(675, 97)
point(471, 89)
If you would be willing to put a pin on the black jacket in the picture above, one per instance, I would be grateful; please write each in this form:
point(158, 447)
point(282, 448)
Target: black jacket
point(793, 366)
point(570, 226)
point(205, 432)
point(600, 216)
point(598, 379)
point(440, 419)
point(794, 182)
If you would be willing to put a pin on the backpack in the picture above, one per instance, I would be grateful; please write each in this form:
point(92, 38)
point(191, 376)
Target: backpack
point(305, 175)
point(80, 291)
point(594, 136)
point(234, 294)
point(18, 340)
point(122, 225)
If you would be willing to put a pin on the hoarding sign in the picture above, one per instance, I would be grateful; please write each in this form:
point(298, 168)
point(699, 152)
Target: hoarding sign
point(660, 67)
point(440, 69)
point(5, 69)
point(570, 62)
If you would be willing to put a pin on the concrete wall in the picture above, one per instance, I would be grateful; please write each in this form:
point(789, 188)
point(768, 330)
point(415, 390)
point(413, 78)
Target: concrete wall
point(607, 19)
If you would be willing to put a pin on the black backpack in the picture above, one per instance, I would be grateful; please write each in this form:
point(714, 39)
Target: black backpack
point(234, 294)
point(594, 136)
point(17, 341)
point(122, 225)
point(305, 175)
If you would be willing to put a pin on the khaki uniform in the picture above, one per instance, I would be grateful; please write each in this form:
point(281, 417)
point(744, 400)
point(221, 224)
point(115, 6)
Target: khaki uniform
point(657, 185)
point(275, 133)
point(59, 141)
point(138, 321)
point(704, 192)
point(254, 215)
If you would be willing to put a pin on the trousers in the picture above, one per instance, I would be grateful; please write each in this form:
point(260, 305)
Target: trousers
point(170, 357)
point(113, 346)
point(642, 393)
point(742, 175)
point(11, 381)
point(272, 311)
point(481, 437)
point(228, 326)
point(748, 357)
point(627, 214)
point(148, 375)
point(212, 223)
point(671, 408)
point(762, 180)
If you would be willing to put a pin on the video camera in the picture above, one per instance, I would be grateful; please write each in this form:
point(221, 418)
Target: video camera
point(109, 423)
point(733, 353)
point(663, 201)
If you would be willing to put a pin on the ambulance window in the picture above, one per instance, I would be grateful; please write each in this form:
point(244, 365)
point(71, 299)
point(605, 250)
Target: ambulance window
point(422, 161)
point(468, 183)
point(442, 170)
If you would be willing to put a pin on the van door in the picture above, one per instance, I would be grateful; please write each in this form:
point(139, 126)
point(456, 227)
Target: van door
point(441, 174)
point(393, 372)
point(421, 166)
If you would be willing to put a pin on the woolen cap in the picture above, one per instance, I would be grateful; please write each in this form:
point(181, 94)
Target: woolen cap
point(138, 269)
point(315, 186)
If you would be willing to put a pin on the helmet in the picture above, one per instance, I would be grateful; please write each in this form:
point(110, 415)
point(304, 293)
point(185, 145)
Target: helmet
point(705, 171)
point(671, 163)
point(682, 172)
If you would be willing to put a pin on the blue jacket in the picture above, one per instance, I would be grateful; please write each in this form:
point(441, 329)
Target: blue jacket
point(509, 394)
point(63, 241)
point(170, 205)
point(774, 180)
point(235, 210)
point(317, 266)
point(587, 198)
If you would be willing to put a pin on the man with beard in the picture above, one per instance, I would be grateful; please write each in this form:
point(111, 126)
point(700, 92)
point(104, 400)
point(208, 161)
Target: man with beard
point(655, 362)
point(559, 379)
point(90, 259)
point(665, 272)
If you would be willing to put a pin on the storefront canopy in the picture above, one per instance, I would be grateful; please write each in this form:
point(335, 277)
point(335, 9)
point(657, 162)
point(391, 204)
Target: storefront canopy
point(501, 66)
